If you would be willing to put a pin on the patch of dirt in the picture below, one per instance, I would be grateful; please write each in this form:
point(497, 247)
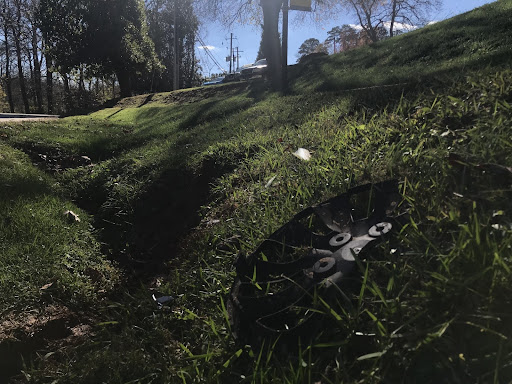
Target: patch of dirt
point(23, 335)
point(185, 96)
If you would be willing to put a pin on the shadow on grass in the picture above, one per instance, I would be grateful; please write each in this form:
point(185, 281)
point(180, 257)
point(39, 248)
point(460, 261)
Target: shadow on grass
point(23, 188)
point(163, 214)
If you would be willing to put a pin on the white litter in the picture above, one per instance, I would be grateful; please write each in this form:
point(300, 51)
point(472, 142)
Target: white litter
point(302, 154)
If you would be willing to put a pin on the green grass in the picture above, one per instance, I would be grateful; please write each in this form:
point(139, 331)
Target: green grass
point(178, 191)
point(40, 246)
point(471, 41)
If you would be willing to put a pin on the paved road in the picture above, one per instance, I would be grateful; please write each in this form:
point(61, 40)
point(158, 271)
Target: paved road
point(14, 117)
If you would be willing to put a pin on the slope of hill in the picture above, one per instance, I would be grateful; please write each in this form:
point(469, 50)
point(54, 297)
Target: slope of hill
point(170, 188)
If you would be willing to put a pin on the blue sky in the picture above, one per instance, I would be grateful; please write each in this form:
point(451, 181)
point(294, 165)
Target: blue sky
point(248, 36)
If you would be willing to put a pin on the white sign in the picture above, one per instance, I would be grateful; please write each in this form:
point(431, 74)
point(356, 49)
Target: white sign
point(301, 5)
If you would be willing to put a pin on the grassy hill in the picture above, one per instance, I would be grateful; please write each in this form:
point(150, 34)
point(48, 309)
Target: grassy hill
point(170, 188)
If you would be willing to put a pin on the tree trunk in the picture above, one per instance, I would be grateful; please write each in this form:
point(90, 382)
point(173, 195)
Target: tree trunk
point(81, 81)
point(21, 78)
point(49, 85)
point(271, 43)
point(8, 70)
point(32, 78)
point(123, 77)
point(37, 71)
point(67, 93)
point(17, 33)
point(393, 17)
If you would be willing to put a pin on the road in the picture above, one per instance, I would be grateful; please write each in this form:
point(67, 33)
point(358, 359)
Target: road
point(16, 117)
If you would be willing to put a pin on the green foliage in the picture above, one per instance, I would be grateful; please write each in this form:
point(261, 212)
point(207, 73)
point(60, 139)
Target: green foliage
point(309, 46)
point(110, 36)
point(4, 106)
point(162, 31)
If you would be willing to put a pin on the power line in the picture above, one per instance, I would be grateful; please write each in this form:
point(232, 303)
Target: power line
point(207, 50)
point(203, 58)
point(209, 54)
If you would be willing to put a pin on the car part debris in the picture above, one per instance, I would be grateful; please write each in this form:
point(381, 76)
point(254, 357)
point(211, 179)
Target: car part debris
point(317, 249)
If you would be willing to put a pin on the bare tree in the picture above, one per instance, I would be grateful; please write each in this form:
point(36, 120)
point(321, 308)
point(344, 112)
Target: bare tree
point(17, 33)
point(6, 19)
point(373, 15)
point(370, 14)
point(31, 11)
point(411, 12)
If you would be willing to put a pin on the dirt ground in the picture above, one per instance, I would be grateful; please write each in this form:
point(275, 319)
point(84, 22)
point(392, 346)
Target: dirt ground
point(49, 329)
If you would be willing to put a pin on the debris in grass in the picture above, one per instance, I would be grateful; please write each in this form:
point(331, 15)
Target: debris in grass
point(46, 286)
point(163, 300)
point(72, 217)
point(302, 154)
point(317, 249)
point(87, 160)
point(269, 183)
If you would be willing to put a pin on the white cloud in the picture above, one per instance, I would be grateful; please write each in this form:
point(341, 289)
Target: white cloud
point(400, 26)
point(432, 22)
point(209, 47)
point(387, 25)
point(357, 27)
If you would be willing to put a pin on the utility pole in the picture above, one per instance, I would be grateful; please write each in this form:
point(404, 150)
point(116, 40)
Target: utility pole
point(299, 5)
point(238, 59)
point(231, 53)
point(176, 79)
point(285, 46)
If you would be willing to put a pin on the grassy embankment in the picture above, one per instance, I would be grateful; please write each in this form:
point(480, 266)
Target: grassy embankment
point(438, 305)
